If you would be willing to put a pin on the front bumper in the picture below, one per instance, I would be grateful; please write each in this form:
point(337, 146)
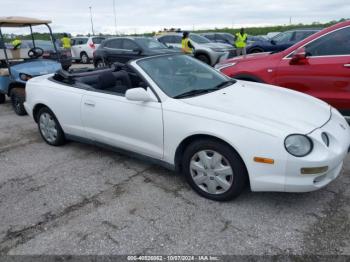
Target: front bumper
point(218, 57)
point(322, 156)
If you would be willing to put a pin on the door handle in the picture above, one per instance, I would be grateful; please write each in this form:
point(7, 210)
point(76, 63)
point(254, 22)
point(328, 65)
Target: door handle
point(346, 65)
point(89, 103)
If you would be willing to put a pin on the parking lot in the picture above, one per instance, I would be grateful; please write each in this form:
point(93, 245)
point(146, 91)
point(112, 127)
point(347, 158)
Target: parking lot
point(80, 199)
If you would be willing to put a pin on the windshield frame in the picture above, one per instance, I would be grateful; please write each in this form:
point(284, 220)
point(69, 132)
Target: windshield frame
point(136, 65)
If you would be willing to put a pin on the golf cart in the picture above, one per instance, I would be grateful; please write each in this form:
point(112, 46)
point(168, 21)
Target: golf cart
point(19, 65)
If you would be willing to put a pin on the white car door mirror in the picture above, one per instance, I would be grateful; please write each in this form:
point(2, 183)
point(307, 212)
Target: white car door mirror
point(138, 94)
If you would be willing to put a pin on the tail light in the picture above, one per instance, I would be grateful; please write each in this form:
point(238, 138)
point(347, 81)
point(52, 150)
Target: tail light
point(46, 54)
point(92, 45)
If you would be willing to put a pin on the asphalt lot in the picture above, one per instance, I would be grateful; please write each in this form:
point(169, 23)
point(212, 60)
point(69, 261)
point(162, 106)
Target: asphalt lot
point(80, 199)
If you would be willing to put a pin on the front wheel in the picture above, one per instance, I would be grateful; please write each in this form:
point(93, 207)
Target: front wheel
point(17, 99)
point(214, 170)
point(100, 64)
point(49, 128)
point(204, 59)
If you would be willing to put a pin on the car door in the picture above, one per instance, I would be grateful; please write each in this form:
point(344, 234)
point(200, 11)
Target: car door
point(325, 73)
point(131, 50)
point(111, 119)
point(112, 51)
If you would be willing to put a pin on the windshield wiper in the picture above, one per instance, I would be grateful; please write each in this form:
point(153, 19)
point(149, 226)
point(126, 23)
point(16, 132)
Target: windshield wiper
point(204, 91)
point(224, 84)
point(194, 92)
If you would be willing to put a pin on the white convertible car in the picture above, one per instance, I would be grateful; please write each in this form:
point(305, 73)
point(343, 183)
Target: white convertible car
point(219, 132)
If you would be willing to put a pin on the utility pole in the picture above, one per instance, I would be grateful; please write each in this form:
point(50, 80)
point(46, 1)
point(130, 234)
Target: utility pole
point(92, 24)
point(290, 20)
point(115, 18)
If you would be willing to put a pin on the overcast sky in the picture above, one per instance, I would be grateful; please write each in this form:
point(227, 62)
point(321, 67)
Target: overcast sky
point(150, 15)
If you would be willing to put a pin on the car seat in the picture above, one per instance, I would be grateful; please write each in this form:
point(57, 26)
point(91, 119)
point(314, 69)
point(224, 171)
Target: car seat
point(117, 82)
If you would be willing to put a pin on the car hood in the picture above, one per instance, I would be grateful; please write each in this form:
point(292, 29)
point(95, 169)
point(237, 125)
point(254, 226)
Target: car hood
point(217, 45)
point(250, 57)
point(259, 104)
point(36, 67)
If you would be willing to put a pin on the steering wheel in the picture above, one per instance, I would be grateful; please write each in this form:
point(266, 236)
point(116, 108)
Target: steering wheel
point(35, 52)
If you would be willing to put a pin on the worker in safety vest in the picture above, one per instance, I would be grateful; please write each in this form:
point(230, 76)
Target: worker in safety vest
point(241, 42)
point(65, 40)
point(16, 43)
point(186, 45)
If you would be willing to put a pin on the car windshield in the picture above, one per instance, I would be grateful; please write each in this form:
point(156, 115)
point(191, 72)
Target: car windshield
point(199, 39)
point(181, 76)
point(150, 43)
point(283, 37)
point(45, 45)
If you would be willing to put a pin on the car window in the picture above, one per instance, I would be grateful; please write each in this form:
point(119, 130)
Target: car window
point(178, 74)
point(73, 42)
point(283, 37)
point(98, 40)
point(335, 43)
point(301, 35)
point(129, 45)
point(166, 39)
point(81, 41)
point(150, 43)
point(177, 39)
point(199, 39)
point(210, 37)
point(114, 43)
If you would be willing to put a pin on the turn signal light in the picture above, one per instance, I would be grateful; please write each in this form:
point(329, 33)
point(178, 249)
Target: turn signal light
point(314, 170)
point(264, 160)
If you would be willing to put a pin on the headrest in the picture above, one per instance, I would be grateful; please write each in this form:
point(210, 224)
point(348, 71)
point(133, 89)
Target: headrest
point(106, 80)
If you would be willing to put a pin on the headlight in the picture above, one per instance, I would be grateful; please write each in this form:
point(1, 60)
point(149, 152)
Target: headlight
point(223, 66)
point(298, 145)
point(24, 77)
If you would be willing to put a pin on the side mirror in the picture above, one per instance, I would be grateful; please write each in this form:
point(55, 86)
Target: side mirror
point(170, 47)
point(299, 57)
point(138, 94)
point(273, 42)
point(137, 51)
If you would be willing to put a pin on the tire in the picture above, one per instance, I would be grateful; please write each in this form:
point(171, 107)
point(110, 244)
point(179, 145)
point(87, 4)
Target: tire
point(203, 58)
point(66, 68)
point(218, 158)
point(17, 95)
point(2, 98)
point(254, 51)
point(84, 58)
point(100, 64)
point(49, 128)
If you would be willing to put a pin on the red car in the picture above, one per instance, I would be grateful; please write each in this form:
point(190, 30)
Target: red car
point(318, 66)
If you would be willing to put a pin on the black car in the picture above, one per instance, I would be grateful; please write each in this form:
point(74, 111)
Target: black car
point(50, 53)
point(281, 41)
point(124, 49)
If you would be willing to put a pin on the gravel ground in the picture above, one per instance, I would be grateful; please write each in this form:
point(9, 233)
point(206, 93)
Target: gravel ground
point(79, 199)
